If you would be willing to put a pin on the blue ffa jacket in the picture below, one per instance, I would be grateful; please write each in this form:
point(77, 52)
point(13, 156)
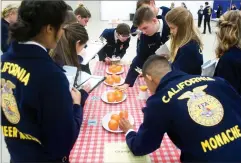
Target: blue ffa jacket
point(112, 47)
point(145, 48)
point(4, 36)
point(164, 12)
point(201, 115)
point(229, 67)
point(39, 121)
point(189, 59)
point(207, 12)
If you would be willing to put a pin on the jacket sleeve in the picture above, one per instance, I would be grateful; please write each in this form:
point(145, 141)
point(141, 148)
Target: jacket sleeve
point(4, 38)
point(133, 30)
point(138, 61)
point(84, 96)
point(60, 119)
point(150, 134)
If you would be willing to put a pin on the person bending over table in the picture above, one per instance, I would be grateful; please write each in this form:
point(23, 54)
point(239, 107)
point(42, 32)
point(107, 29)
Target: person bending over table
point(41, 117)
point(201, 115)
point(155, 32)
point(118, 40)
point(160, 12)
point(72, 42)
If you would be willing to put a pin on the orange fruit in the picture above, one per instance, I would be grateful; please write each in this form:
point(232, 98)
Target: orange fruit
point(110, 97)
point(143, 88)
point(118, 68)
point(115, 117)
point(110, 81)
point(118, 95)
point(113, 124)
point(116, 78)
point(123, 114)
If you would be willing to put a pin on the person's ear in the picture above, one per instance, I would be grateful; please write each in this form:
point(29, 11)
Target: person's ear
point(154, 20)
point(149, 77)
point(78, 17)
point(49, 29)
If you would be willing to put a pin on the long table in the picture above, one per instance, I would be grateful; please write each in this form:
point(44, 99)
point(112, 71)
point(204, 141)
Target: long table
point(89, 147)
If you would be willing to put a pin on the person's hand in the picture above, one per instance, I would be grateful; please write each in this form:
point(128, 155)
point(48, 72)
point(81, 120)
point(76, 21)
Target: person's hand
point(87, 87)
point(76, 96)
point(107, 60)
point(122, 87)
point(125, 125)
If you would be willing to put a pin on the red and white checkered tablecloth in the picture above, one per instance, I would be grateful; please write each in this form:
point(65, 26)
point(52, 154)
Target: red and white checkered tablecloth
point(89, 147)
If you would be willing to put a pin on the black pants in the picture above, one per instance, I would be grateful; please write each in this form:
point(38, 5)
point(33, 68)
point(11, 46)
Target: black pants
point(207, 21)
point(200, 18)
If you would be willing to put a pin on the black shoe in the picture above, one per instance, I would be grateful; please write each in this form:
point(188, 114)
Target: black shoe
point(204, 33)
point(210, 32)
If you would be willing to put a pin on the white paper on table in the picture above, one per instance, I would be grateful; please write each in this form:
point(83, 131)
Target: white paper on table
point(70, 73)
point(119, 153)
point(82, 77)
point(164, 49)
point(93, 47)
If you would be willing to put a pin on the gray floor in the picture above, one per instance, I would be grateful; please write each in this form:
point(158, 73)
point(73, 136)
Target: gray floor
point(96, 27)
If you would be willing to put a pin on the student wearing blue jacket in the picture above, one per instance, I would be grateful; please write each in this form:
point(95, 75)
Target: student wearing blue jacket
point(72, 42)
point(9, 16)
point(201, 115)
point(159, 11)
point(186, 44)
point(207, 12)
point(118, 40)
point(229, 49)
point(155, 33)
point(41, 117)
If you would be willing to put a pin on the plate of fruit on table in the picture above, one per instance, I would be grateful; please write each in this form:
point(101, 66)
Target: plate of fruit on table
point(113, 96)
point(110, 121)
point(114, 80)
point(115, 69)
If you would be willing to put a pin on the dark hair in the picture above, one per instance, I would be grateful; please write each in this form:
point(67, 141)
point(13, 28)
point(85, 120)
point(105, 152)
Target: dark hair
point(82, 11)
point(69, 8)
point(35, 14)
point(123, 29)
point(155, 62)
point(142, 2)
point(206, 3)
point(143, 14)
point(65, 52)
point(70, 17)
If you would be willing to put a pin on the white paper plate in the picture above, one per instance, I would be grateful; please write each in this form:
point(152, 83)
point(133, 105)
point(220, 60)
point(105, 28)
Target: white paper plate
point(107, 118)
point(104, 98)
point(116, 84)
point(108, 72)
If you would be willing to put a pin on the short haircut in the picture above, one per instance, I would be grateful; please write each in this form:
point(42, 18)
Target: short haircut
point(142, 2)
point(82, 11)
point(8, 9)
point(143, 14)
point(123, 29)
point(155, 65)
point(206, 3)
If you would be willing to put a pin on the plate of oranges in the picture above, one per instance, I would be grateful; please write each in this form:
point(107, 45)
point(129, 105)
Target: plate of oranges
point(115, 69)
point(110, 121)
point(114, 80)
point(113, 96)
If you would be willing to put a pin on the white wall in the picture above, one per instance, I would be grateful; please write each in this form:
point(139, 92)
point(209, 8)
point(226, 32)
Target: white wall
point(122, 9)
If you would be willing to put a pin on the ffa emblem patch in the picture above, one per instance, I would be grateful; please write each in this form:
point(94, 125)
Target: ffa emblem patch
point(204, 109)
point(8, 102)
